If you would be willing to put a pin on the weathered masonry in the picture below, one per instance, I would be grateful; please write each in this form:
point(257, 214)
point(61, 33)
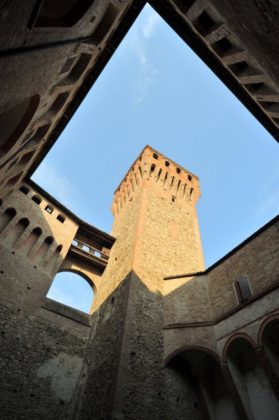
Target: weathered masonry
point(165, 338)
point(51, 53)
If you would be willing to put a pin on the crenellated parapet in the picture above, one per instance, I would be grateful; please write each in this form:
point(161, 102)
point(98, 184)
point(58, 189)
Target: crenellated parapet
point(173, 181)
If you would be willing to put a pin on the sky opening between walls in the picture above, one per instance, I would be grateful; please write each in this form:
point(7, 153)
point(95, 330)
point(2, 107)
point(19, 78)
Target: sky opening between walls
point(156, 91)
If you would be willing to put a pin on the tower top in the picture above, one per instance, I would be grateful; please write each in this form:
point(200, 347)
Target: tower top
point(172, 179)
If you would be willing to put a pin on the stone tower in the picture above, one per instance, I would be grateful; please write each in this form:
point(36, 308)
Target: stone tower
point(157, 233)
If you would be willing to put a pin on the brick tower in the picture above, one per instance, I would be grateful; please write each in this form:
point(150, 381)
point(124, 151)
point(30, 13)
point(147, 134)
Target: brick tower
point(157, 234)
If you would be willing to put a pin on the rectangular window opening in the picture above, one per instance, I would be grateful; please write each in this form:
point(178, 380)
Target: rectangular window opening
point(243, 289)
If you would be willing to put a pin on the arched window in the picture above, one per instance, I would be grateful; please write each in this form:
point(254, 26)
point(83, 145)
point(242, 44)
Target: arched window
point(72, 290)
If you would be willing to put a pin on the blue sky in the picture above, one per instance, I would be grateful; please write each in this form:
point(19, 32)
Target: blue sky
point(156, 91)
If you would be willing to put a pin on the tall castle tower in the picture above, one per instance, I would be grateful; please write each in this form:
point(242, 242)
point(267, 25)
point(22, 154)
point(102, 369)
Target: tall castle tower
point(155, 223)
point(157, 234)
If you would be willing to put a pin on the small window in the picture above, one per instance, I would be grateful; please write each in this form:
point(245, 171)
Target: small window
point(86, 248)
point(67, 65)
point(25, 190)
point(37, 199)
point(204, 24)
point(178, 170)
point(243, 289)
point(58, 103)
point(49, 209)
point(222, 46)
point(61, 218)
point(167, 163)
point(155, 155)
point(189, 178)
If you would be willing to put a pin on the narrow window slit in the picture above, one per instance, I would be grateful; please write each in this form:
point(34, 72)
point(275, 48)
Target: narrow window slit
point(152, 168)
point(178, 185)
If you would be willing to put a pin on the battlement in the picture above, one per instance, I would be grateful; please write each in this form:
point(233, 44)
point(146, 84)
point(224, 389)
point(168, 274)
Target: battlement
point(174, 181)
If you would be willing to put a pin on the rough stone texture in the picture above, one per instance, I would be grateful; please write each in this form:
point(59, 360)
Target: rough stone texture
point(40, 366)
point(47, 70)
point(152, 348)
point(45, 73)
point(101, 361)
point(209, 298)
point(43, 62)
point(42, 342)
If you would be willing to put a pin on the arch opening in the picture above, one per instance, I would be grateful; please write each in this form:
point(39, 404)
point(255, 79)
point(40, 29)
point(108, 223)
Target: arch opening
point(250, 379)
point(204, 373)
point(6, 217)
point(72, 289)
point(270, 340)
point(17, 231)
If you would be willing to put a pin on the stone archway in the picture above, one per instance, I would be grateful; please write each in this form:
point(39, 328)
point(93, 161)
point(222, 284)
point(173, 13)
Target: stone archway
point(250, 379)
point(203, 371)
point(74, 289)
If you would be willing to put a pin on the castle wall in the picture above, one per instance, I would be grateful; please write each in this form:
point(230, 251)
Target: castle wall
point(41, 351)
point(205, 310)
point(42, 341)
point(146, 349)
point(257, 259)
point(47, 54)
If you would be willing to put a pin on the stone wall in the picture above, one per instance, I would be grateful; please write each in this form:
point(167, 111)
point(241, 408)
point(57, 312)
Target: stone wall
point(42, 342)
point(124, 357)
point(41, 351)
point(203, 309)
point(50, 57)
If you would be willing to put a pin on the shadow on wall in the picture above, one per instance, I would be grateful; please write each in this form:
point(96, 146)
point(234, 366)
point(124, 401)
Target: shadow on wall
point(244, 275)
point(202, 369)
point(254, 389)
point(193, 383)
point(245, 386)
point(39, 236)
point(34, 242)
